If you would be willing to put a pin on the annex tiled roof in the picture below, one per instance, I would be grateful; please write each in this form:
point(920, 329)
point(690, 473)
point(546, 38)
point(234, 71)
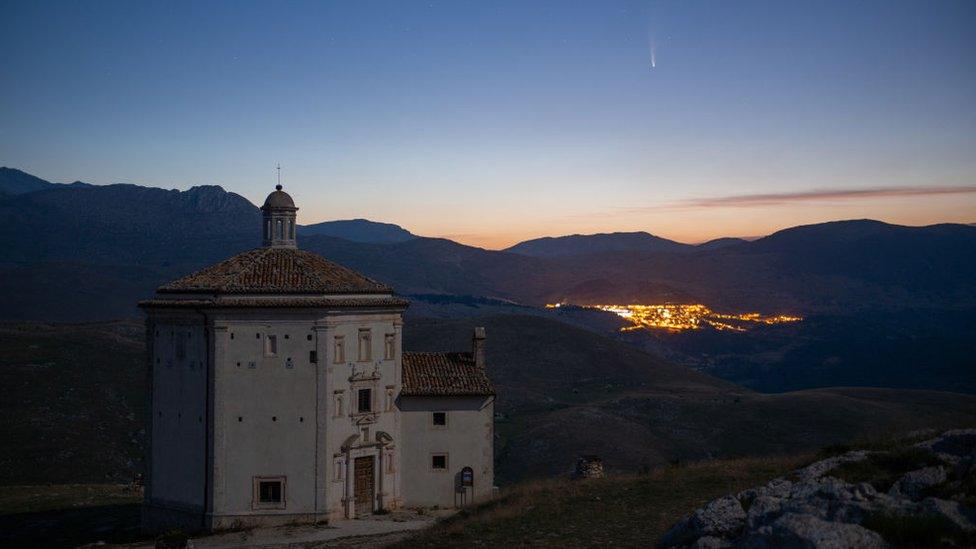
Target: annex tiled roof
point(283, 302)
point(443, 374)
point(276, 271)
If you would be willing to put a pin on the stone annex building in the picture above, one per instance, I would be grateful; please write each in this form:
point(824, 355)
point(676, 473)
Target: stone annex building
point(280, 393)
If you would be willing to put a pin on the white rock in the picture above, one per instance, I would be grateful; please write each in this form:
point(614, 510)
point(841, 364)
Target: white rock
point(793, 530)
point(818, 469)
point(912, 484)
point(710, 542)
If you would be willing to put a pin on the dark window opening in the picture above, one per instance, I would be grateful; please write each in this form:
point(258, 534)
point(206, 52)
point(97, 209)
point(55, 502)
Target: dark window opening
point(313, 357)
point(438, 461)
point(365, 400)
point(440, 418)
point(269, 491)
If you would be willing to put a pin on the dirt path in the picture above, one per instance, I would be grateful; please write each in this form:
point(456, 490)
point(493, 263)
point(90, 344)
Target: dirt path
point(375, 531)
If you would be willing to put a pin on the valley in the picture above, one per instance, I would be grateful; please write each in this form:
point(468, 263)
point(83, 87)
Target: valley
point(679, 317)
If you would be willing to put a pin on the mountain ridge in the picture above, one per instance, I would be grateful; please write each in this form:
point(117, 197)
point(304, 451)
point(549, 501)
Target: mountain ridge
point(577, 244)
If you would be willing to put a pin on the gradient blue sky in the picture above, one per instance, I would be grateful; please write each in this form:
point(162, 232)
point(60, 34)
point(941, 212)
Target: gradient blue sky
point(492, 122)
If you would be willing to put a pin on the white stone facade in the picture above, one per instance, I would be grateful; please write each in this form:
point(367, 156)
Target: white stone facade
point(272, 407)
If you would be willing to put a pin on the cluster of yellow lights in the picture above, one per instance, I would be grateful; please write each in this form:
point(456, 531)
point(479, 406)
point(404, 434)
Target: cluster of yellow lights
point(680, 317)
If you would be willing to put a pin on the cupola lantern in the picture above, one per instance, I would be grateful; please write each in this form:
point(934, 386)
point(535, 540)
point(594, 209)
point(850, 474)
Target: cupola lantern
point(279, 220)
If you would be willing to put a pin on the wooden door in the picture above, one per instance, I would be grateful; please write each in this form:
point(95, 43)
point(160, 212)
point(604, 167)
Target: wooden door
point(365, 485)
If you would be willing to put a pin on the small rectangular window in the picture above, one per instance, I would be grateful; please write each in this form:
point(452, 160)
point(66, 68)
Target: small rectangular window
point(270, 345)
point(438, 462)
point(365, 401)
point(312, 357)
point(269, 493)
point(439, 419)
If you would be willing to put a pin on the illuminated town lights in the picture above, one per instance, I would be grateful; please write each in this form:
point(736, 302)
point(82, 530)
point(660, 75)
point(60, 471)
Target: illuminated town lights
point(678, 317)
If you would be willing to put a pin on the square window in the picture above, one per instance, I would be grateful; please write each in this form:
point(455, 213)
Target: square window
point(365, 401)
point(439, 419)
point(438, 462)
point(269, 493)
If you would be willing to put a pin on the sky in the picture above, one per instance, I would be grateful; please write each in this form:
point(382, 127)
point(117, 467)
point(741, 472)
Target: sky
point(494, 122)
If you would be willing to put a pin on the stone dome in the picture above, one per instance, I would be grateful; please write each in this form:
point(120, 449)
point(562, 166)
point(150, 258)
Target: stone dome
point(279, 199)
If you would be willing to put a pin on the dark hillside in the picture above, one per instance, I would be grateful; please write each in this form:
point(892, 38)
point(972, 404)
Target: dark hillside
point(564, 392)
point(73, 402)
point(74, 398)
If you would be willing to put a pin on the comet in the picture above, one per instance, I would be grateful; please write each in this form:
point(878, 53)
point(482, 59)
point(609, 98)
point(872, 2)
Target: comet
point(653, 54)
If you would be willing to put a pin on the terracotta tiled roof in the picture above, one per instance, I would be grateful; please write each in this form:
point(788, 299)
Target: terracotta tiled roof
point(443, 374)
point(276, 270)
point(283, 302)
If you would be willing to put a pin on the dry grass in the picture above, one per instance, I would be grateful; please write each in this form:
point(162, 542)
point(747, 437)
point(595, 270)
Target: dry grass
point(632, 510)
point(34, 499)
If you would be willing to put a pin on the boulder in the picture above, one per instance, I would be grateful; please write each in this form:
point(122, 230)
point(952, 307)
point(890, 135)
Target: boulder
point(723, 517)
point(792, 530)
point(952, 446)
point(710, 542)
point(915, 482)
point(818, 469)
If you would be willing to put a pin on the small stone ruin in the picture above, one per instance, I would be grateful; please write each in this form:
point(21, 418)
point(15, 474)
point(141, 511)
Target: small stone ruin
point(588, 467)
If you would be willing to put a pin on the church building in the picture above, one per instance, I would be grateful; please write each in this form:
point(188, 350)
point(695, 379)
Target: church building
point(280, 393)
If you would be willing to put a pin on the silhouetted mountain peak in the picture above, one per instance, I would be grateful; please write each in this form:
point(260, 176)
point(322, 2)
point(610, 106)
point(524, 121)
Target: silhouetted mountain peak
point(213, 198)
point(577, 244)
point(14, 181)
point(359, 230)
point(724, 242)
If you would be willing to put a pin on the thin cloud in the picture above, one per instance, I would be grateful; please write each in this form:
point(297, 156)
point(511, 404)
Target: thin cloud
point(824, 195)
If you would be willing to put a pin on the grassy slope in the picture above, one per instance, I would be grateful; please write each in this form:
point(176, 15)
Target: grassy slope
point(565, 391)
point(73, 404)
point(625, 511)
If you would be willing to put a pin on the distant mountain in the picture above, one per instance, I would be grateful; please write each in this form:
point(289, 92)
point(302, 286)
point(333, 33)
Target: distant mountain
point(935, 257)
point(359, 230)
point(579, 244)
point(13, 181)
point(79, 253)
point(125, 224)
point(826, 268)
point(721, 243)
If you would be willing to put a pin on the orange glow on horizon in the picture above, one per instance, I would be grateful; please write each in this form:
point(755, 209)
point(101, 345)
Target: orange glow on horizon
point(496, 227)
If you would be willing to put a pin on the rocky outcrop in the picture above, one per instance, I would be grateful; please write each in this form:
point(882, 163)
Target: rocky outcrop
point(827, 504)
